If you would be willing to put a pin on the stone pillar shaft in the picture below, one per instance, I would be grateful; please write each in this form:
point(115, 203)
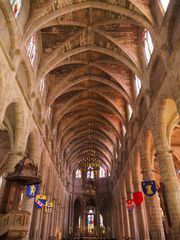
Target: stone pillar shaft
point(121, 218)
point(154, 213)
point(172, 190)
point(142, 228)
point(125, 213)
point(129, 190)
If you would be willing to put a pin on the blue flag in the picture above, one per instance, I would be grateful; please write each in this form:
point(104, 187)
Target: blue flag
point(149, 188)
point(32, 190)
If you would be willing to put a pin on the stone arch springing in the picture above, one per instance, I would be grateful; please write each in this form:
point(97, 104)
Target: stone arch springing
point(14, 121)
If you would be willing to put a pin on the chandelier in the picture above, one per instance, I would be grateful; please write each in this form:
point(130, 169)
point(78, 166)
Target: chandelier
point(89, 161)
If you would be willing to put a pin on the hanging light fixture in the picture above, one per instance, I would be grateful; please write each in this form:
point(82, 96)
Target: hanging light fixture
point(89, 161)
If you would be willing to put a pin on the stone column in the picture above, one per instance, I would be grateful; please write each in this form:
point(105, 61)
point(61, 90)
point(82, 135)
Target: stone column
point(172, 189)
point(136, 179)
point(154, 213)
point(37, 221)
point(116, 216)
point(49, 216)
point(53, 218)
point(121, 217)
point(129, 190)
point(58, 216)
point(120, 212)
point(125, 213)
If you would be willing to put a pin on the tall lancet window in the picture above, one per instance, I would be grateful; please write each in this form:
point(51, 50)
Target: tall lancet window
point(16, 6)
point(148, 44)
point(31, 49)
point(90, 221)
point(137, 85)
point(165, 4)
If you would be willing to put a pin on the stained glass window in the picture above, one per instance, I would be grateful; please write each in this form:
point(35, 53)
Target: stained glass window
point(148, 44)
point(165, 4)
point(90, 221)
point(90, 172)
point(16, 6)
point(31, 49)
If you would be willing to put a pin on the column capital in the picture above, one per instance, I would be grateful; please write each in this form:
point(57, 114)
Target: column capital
point(163, 152)
point(147, 170)
point(16, 153)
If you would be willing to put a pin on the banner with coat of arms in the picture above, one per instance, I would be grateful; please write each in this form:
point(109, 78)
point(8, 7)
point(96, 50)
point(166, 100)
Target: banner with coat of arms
point(138, 198)
point(40, 201)
point(48, 207)
point(149, 188)
point(130, 204)
point(32, 190)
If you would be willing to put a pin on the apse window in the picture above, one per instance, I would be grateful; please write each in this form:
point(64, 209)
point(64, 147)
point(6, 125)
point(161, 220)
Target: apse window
point(148, 45)
point(90, 172)
point(165, 4)
point(90, 221)
point(16, 6)
point(31, 49)
point(78, 173)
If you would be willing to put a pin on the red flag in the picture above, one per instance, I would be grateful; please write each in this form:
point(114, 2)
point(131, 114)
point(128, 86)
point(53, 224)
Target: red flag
point(130, 204)
point(138, 198)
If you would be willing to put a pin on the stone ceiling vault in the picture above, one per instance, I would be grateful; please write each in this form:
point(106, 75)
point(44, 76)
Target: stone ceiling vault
point(90, 56)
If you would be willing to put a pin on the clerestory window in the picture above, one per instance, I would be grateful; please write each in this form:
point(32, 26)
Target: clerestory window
point(16, 6)
point(165, 4)
point(130, 111)
point(137, 85)
point(31, 49)
point(42, 86)
point(148, 45)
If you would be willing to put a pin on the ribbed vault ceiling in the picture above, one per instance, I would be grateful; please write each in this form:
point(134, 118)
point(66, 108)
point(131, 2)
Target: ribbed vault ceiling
point(90, 55)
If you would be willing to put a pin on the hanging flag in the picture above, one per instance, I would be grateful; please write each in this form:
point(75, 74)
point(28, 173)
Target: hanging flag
point(149, 187)
point(32, 190)
point(40, 201)
point(130, 204)
point(138, 198)
point(48, 207)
